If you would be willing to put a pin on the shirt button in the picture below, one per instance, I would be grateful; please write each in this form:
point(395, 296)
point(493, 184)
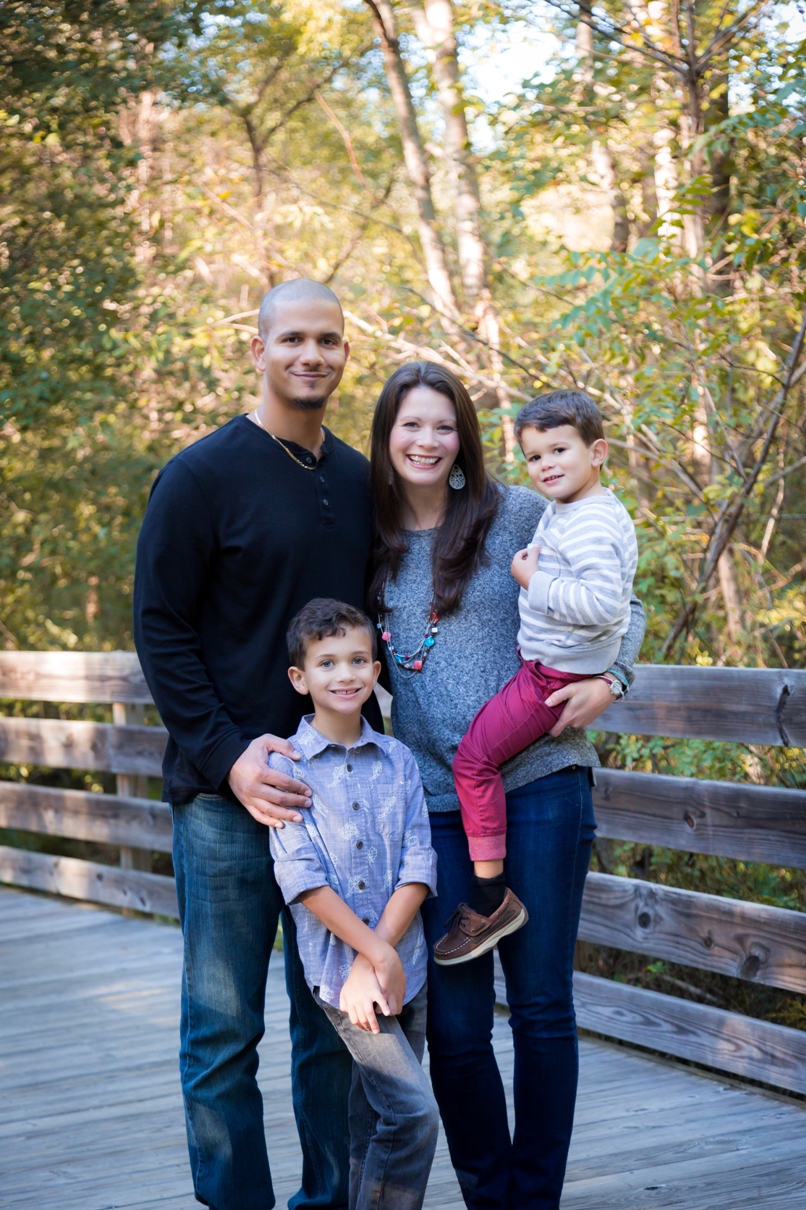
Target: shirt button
point(365, 920)
point(321, 478)
point(361, 886)
point(349, 768)
point(326, 503)
point(355, 806)
point(359, 844)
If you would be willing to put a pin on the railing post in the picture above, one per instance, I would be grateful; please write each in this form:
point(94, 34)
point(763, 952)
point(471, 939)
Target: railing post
point(131, 785)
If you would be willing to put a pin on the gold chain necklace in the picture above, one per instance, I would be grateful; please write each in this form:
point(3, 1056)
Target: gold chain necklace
point(305, 466)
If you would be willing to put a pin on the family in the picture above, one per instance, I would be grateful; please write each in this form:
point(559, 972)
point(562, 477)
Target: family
point(279, 574)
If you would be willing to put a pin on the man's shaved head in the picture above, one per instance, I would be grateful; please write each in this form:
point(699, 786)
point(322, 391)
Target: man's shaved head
point(299, 289)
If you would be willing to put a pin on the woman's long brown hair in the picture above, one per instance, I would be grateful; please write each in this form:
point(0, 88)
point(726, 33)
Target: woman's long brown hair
point(458, 549)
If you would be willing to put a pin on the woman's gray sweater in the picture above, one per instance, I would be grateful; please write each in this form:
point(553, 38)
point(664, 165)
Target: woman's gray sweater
point(474, 655)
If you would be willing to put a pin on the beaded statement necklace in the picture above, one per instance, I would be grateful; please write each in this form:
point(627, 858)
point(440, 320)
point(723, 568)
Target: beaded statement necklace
point(415, 662)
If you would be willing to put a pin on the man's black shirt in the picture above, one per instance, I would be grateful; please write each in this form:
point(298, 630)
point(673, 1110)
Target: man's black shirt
point(237, 537)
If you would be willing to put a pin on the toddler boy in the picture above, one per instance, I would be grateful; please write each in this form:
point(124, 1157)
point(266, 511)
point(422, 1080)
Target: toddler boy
point(355, 872)
point(576, 581)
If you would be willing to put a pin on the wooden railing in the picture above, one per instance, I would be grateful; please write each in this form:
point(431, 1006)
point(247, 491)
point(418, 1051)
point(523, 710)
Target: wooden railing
point(762, 944)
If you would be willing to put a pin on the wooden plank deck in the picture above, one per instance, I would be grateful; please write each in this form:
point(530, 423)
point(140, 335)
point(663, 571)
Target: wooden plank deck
point(91, 1116)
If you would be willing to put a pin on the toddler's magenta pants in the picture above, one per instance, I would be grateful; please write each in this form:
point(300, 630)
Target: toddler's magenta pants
point(508, 723)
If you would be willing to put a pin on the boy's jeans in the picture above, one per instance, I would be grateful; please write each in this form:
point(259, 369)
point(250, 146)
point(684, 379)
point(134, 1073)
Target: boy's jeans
point(229, 906)
point(393, 1114)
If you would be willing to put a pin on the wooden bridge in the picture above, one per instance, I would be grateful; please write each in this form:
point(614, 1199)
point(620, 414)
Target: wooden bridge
point(90, 1111)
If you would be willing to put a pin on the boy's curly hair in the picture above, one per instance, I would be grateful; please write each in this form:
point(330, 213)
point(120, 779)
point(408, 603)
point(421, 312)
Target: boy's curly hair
point(322, 618)
point(556, 408)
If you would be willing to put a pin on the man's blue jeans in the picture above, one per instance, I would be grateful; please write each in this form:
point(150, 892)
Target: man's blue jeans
point(229, 906)
point(550, 828)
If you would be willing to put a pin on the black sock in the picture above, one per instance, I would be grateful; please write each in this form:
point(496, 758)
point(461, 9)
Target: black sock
point(487, 894)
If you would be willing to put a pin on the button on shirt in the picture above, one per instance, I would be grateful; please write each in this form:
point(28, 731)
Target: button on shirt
point(365, 834)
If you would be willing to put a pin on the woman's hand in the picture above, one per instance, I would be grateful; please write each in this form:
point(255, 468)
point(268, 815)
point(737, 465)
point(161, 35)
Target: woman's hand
point(524, 565)
point(584, 702)
point(361, 994)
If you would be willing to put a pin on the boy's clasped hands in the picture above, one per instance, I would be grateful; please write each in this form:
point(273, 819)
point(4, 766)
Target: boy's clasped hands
point(368, 987)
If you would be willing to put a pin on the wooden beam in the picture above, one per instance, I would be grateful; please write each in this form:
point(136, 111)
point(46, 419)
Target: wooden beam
point(747, 940)
point(80, 815)
point(81, 745)
point(750, 823)
point(741, 705)
point(728, 1041)
point(129, 785)
point(77, 879)
point(72, 676)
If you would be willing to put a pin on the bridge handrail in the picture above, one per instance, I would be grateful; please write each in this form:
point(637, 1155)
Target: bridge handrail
point(749, 822)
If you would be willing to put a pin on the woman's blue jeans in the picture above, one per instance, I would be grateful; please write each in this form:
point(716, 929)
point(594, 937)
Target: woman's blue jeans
point(550, 829)
point(229, 906)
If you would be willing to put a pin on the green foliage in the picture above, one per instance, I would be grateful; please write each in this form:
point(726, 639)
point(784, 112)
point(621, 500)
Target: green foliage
point(163, 162)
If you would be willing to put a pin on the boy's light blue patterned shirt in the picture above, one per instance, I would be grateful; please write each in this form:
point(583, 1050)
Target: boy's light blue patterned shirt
point(365, 834)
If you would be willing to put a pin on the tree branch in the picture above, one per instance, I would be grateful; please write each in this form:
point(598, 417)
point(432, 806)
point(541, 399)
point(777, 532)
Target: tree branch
point(731, 511)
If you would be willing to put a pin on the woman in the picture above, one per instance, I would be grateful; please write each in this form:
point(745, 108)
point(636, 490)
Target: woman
point(449, 613)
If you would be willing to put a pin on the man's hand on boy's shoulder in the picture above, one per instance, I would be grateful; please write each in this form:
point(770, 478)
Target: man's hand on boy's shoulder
point(268, 795)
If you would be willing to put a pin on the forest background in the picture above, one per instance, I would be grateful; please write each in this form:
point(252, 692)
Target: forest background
point(622, 209)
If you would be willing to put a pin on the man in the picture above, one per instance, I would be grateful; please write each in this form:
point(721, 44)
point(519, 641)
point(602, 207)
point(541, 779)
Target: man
point(243, 529)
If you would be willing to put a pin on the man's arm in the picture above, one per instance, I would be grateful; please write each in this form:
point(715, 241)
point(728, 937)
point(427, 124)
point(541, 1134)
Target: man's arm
point(175, 554)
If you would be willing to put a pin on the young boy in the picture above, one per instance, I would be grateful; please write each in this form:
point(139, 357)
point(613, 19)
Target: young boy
point(355, 872)
point(576, 581)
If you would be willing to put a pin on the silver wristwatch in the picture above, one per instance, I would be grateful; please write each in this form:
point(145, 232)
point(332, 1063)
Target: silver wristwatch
point(616, 687)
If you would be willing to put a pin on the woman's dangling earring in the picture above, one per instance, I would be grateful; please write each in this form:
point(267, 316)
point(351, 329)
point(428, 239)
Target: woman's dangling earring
point(457, 477)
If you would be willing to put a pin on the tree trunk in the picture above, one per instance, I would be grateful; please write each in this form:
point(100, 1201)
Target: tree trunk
point(383, 19)
point(730, 595)
point(606, 171)
point(649, 192)
point(666, 184)
point(603, 163)
point(434, 23)
point(720, 159)
point(692, 128)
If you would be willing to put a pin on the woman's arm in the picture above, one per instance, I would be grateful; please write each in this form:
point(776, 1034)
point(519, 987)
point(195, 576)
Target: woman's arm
point(630, 647)
point(586, 700)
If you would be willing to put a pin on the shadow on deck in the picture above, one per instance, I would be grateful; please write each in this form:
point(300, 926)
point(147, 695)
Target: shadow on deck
point(91, 1116)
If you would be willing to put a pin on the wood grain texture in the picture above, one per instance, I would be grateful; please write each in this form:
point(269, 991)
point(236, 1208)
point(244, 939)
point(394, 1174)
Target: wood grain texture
point(78, 879)
point(126, 714)
point(750, 823)
point(72, 676)
point(82, 745)
point(742, 705)
point(748, 940)
point(744, 1046)
point(80, 815)
point(91, 1111)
